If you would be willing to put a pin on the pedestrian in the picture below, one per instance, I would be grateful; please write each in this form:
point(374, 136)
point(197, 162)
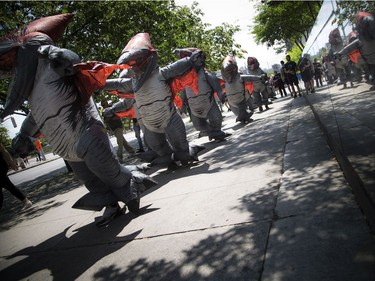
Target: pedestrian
point(260, 92)
point(40, 150)
point(307, 74)
point(291, 74)
point(137, 132)
point(329, 70)
point(114, 123)
point(6, 162)
point(279, 83)
point(284, 76)
point(318, 73)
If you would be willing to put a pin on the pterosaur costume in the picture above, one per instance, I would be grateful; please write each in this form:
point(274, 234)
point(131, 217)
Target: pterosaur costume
point(365, 43)
point(46, 76)
point(163, 128)
point(260, 91)
point(204, 111)
point(341, 64)
point(238, 88)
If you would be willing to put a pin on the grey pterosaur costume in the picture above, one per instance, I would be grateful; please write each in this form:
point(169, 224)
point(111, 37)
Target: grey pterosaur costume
point(204, 111)
point(239, 98)
point(341, 64)
point(365, 24)
point(163, 128)
point(260, 92)
point(44, 74)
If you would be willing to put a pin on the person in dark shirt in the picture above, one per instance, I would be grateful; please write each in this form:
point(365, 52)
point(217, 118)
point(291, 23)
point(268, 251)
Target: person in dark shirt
point(318, 73)
point(290, 70)
point(279, 83)
point(7, 161)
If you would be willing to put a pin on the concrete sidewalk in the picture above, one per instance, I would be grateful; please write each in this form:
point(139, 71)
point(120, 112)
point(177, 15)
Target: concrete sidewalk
point(270, 203)
point(347, 118)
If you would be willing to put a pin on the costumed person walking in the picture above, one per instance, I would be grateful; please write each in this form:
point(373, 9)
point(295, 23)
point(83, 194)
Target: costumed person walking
point(164, 130)
point(341, 63)
point(365, 43)
point(260, 91)
point(238, 88)
point(205, 113)
point(64, 112)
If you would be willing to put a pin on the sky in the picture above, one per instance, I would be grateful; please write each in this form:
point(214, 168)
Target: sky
point(237, 12)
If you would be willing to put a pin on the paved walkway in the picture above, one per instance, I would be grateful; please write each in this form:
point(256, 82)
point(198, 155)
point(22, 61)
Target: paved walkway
point(270, 203)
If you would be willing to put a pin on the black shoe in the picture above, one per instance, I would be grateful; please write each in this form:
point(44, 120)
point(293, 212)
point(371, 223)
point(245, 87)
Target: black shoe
point(267, 107)
point(260, 108)
point(110, 213)
point(140, 150)
point(133, 206)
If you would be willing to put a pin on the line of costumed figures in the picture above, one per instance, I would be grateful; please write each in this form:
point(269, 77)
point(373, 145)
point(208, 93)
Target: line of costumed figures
point(59, 89)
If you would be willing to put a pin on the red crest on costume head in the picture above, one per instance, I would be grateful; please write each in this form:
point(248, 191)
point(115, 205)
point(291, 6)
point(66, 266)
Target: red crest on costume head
point(139, 41)
point(53, 26)
point(360, 15)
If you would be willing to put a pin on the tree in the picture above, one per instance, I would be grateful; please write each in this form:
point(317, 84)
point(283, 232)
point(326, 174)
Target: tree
point(346, 10)
point(4, 138)
point(282, 24)
point(100, 30)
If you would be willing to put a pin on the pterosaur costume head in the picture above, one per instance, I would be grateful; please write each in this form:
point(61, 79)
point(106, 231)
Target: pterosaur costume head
point(365, 25)
point(229, 69)
point(44, 31)
point(141, 56)
point(334, 37)
point(187, 52)
point(252, 63)
point(353, 36)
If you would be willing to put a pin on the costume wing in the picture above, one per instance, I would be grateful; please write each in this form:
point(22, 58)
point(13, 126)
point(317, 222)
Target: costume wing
point(353, 56)
point(93, 75)
point(177, 84)
point(249, 86)
point(126, 114)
